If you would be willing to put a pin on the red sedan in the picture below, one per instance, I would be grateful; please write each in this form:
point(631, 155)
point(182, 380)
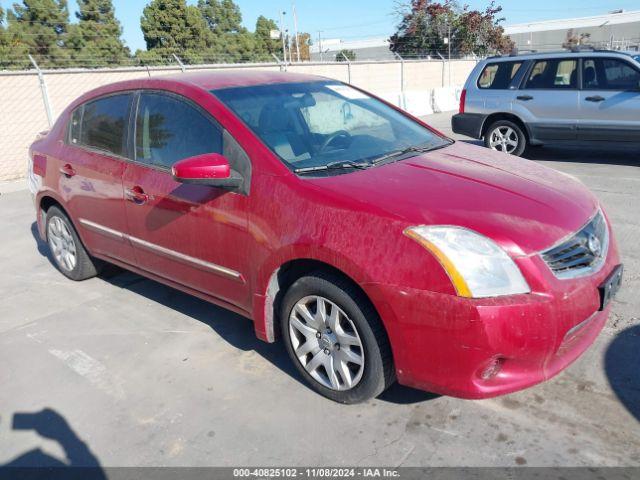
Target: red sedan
point(373, 246)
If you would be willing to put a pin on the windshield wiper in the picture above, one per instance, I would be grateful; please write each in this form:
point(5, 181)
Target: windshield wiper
point(362, 165)
point(413, 149)
point(334, 166)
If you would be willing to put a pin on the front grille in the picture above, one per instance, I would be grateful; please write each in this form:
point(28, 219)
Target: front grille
point(582, 253)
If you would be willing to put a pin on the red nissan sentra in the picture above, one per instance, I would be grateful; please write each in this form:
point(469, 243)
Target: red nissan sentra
point(372, 245)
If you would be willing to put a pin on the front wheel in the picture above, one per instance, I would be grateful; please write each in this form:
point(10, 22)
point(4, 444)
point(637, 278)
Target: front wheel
point(336, 339)
point(505, 136)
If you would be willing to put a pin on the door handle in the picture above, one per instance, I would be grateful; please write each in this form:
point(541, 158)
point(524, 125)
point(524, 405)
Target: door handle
point(136, 195)
point(67, 170)
point(596, 98)
point(526, 98)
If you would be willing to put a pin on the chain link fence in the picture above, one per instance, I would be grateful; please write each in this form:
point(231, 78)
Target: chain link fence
point(31, 99)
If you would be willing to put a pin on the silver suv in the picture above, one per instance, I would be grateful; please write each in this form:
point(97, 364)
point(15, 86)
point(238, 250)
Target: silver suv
point(519, 100)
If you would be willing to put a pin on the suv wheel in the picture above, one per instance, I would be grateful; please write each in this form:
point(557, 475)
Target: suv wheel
point(335, 339)
point(505, 136)
point(68, 253)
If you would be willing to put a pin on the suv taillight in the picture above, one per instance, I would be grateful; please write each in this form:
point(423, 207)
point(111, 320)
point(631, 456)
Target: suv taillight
point(463, 99)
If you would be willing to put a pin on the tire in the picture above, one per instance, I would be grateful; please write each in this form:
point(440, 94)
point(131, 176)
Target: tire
point(515, 141)
point(67, 252)
point(363, 364)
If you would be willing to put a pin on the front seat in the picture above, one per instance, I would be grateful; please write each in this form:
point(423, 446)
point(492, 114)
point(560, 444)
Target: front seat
point(590, 77)
point(573, 82)
point(277, 131)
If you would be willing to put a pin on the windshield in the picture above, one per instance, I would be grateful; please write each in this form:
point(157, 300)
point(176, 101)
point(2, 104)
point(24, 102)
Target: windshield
point(319, 124)
point(636, 58)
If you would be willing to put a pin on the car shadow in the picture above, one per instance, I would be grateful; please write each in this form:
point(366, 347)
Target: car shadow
point(79, 461)
point(43, 248)
point(235, 329)
point(621, 362)
point(586, 152)
point(401, 395)
point(596, 153)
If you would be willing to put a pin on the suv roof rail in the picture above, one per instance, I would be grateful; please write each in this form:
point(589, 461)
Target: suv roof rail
point(516, 51)
point(581, 48)
point(513, 53)
point(574, 49)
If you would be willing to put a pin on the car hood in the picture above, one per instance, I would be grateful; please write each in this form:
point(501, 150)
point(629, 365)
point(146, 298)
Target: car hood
point(524, 206)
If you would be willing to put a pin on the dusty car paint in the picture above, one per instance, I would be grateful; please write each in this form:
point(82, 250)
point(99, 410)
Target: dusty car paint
point(228, 248)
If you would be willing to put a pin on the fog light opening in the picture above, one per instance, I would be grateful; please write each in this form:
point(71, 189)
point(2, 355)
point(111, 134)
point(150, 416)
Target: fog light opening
point(492, 369)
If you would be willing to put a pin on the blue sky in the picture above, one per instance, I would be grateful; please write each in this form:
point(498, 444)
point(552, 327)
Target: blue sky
point(350, 19)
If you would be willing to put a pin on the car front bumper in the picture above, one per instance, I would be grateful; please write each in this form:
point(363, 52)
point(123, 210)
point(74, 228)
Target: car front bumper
point(480, 348)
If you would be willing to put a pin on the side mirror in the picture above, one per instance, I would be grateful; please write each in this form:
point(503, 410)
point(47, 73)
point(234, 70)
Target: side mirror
point(210, 169)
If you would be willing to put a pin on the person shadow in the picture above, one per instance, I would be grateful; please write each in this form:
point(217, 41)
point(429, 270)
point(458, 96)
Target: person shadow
point(79, 462)
point(621, 363)
point(235, 329)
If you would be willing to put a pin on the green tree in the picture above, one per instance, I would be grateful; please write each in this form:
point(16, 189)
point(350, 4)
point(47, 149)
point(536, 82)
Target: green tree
point(350, 54)
point(8, 57)
point(41, 26)
point(229, 40)
point(265, 45)
point(222, 16)
point(305, 46)
point(292, 50)
point(425, 24)
point(171, 27)
point(95, 40)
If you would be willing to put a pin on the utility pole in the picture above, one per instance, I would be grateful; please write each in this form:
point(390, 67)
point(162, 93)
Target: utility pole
point(284, 47)
point(295, 28)
point(449, 45)
point(320, 44)
point(290, 44)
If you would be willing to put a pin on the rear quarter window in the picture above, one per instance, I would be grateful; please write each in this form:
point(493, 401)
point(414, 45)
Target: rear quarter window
point(74, 126)
point(498, 76)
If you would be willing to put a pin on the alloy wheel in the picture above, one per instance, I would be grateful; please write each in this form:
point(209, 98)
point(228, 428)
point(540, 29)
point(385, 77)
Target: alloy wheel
point(504, 139)
point(62, 244)
point(326, 343)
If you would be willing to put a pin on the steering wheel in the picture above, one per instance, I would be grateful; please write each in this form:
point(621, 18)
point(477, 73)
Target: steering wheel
point(332, 137)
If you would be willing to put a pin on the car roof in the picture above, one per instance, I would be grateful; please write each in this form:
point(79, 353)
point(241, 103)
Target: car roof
point(560, 54)
point(204, 80)
point(214, 80)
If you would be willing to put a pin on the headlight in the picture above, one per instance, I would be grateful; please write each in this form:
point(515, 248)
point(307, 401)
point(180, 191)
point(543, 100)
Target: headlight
point(476, 265)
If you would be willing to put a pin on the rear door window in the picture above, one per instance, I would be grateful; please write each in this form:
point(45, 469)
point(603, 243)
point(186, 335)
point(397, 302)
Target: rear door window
point(561, 74)
point(498, 76)
point(609, 74)
point(169, 129)
point(104, 124)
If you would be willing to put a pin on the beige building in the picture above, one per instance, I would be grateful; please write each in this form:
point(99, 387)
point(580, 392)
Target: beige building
point(619, 30)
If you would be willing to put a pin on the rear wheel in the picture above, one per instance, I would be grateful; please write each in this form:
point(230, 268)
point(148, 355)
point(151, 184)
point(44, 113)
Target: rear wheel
point(336, 339)
point(69, 255)
point(505, 136)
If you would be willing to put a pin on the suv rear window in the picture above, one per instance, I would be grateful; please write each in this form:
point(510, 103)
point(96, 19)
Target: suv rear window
point(498, 76)
point(553, 73)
